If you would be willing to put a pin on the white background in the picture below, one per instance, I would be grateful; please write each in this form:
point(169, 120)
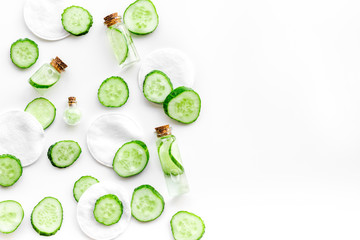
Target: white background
point(275, 152)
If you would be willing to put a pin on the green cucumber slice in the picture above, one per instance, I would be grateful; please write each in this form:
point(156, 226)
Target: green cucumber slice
point(141, 17)
point(183, 105)
point(82, 184)
point(175, 156)
point(118, 43)
point(108, 209)
point(47, 216)
point(169, 167)
point(24, 53)
point(113, 92)
point(11, 216)
point(10, 170)
point(76, 20)
point(147, 204)
point(45, 77)
point(131, 159)
point(187, 226)
point(157, 86)
point(64, 153)
point(43, 110)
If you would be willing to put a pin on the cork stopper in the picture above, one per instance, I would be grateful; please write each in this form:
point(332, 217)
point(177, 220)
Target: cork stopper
point(58, 64)
point(72, 100)
point(112, 19)
point(163, 131)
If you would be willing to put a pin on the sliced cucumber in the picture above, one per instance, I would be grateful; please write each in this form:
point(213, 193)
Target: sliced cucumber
point(141, 17)
point(157, 86)
point(187, 226)
point(82, 184)
point(183, 105)
point(168, 165)
point(64, 153)
point(43, 110)
point(10, 170)
point(47, 216)
point(46, 76)
point(175, 156)
point(11, 216)
point(108, 209)
point(118, 43)
point(113, 92)
point(147, 204)
point(131, 158)
point(24, 53)
point(76, 20)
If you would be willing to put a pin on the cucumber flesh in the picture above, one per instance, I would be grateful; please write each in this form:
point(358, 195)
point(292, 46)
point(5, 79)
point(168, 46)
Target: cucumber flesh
point(11, 216)
point(43, 110)
point(45, 77)
point(175, 156)
point(76, 20)
point(157, 86)
point(10, 170)
point(47, 216)
point(64, 153)
point(187, 226)
point(82, 184)
point(141, 17)
point(118, 43)
point(167, 164)
point(147, 204)
point(24, 53)
point(183, 105)
point(113, 92)
point(108, 209)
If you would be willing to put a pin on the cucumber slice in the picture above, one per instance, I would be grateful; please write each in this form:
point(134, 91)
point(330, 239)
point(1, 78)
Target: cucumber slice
point(108, 209)
point(113, 92)
point(45, 77)
point(183, 105)
point(76, 20)
point(11, 216)
point(175, 156)
point(24, 53)
point(47, 216)
point(157, 86)
point(131, 159)
point(168, 166)
point(141, 17)
point(147, 204)
point(118, 43)
point(187, 226)
point(43, 110)
point(64, 153)
point(10, 170)
point(82, 184)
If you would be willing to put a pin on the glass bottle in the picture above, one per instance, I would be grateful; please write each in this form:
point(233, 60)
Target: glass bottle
point(72, 114)
point(120, 41)
point(171, 163)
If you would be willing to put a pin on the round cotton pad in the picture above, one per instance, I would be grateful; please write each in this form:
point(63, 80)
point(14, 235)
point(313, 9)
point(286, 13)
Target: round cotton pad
point(174, 63)
point(21, 135)
point(43, 18)
point(85, 208)
point(108, 133)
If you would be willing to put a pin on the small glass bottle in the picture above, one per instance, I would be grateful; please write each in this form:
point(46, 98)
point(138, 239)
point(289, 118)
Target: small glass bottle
point(48, 74)
point(171, 162)
point(72, 114)
point(120, 41)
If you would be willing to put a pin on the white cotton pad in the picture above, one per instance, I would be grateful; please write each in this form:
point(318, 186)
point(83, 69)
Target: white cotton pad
point(174, 63)
point(43, 18)
point(85, 208)
point(108, 133)
point(22, 136)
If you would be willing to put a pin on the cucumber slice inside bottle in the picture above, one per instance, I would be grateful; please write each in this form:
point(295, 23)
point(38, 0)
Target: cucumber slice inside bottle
point(108, 209)
point(113, 92)
point(24, 53)
point(175, 156)
point(82, 184)
point(141, 17)
point(76, 20)
point(10, 170)
point(131, 159)
point(183, 104)
point(11, 216)
point(64, 153)
point(187, 226)
point(157, 86)
point(43, 110)
point(169, 167)
point(118, 43)
point(46, 76)
point(147, 204)
point(47, 216)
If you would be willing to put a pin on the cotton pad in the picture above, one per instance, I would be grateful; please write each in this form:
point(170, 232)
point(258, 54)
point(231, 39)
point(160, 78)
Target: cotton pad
point(174, 63)
point(85, 208)
point(43, 18)
point(108, 133)
point(22, 136)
